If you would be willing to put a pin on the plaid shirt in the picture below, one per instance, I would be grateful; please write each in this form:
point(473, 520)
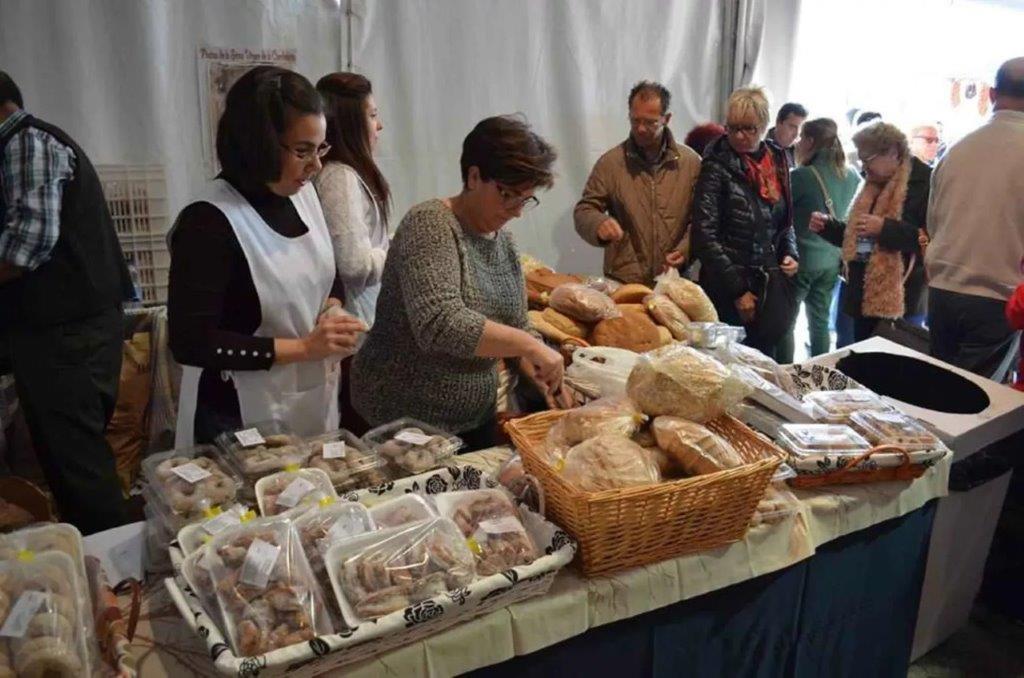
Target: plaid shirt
point(33, 171)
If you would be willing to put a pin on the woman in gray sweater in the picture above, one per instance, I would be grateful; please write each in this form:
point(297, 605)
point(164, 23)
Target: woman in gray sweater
point(453, 301)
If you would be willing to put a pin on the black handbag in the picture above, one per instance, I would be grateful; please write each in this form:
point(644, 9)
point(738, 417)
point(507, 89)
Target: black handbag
point(777, 305)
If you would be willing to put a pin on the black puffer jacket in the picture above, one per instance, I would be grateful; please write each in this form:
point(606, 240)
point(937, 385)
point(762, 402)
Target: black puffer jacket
point(734, 229)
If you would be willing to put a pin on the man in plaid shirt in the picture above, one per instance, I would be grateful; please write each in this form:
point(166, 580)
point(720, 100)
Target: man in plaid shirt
point(63, 280)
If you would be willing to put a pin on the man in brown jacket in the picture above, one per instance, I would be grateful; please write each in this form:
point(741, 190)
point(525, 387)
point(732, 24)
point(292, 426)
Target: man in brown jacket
point(636, 203)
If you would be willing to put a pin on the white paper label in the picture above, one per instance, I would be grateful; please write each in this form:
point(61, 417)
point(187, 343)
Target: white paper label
point(341, 529)
point(204, 560)
point(221, 522)
point(296, 490)
point(249, 437)
point(22, 612)
point(502, 525)
point(259, 563)
point(413, 437)
point(191, 473)
point(334, 450)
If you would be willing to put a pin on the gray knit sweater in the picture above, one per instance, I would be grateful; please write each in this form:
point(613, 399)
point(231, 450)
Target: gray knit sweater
point(440, 284)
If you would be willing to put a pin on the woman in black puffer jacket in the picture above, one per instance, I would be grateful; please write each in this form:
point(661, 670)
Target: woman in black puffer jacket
point(743, 225)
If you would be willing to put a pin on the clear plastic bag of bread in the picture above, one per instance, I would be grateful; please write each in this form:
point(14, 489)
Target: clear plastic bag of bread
point(680, 381)
point(266, 591)
point(617, 415)
point(582, 303)
point(696, 449)
point(609, 462)
point(667, 314)
point(687, 295)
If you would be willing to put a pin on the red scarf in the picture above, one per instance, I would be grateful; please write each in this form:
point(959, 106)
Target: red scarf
point(764, 176)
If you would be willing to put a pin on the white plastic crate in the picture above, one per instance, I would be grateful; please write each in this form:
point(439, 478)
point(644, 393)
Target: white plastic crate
point(137, 198)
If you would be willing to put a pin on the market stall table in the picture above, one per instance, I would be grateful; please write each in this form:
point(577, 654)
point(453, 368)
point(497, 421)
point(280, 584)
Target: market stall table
point(844, 525)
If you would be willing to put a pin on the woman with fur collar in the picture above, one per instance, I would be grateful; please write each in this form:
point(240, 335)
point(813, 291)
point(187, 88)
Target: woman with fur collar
point(884, 230)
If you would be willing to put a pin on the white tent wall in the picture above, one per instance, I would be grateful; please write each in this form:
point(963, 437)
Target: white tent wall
point(121, 77)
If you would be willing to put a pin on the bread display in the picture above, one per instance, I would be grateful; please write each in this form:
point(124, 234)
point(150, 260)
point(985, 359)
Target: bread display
point(608, 462)
point(564, 323)
point(632, 331)
point(410, 446)
point(604, 285)
point(544, 280)
point(262, 449)
point(667, 314)
point(347, 461)
point(383, 572)
point(287, 490)
point(582, 303)
point(632, 293)
point(266, 591)
point(490, 523)
point(687, 295)
point(615, 415)
point(696, 449)
point(680, 381)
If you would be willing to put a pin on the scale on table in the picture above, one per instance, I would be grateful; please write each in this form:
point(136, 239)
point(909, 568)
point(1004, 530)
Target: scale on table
point(968, 413)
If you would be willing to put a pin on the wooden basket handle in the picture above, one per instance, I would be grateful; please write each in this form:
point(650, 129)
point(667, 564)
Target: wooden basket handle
point(134, 605)
point(852, 466)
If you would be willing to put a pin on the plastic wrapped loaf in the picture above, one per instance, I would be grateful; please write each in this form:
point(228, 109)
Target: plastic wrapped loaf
point(609, 462)
point(490, 523)
point(615, 415)
point(582, 303)
point(680, 381)
point(695, 448)
point(687, 295)
point(267, 594)
point(667, 314)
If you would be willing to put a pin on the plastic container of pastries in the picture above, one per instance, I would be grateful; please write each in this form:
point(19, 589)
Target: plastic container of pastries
point(410, 446)
point(46, 616)
point(262, 449)
point(894, 428)
point(266, 592)
point(348, 461)
point(44, 537)
point(288, 490)
point(190, 483)
point(490, 523)
point(195, 570)
point(321, 527)
point(835, 407)
point(805, 440)
point(194, 535)
point(378, 573)
point(403, 510)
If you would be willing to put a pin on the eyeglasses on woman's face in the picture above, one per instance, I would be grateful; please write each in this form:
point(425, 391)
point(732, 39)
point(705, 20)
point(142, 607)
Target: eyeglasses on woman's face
point(512, 200)
point(741, 129)
point(308, 152)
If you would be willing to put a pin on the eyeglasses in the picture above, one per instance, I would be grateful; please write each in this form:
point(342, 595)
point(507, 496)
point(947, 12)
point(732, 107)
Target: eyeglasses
point(928, 139)
point(306, 154)
point(741, 129)
point(646, 123)
point(866, 161)
point(512, 201)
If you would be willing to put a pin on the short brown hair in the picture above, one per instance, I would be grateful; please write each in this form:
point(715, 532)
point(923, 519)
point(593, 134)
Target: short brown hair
point(505, 149)
point(648, 89)
point(825, 134)
point(881, 137)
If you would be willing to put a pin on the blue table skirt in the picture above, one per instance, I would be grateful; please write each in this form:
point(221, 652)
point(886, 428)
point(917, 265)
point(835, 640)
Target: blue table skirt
point(849, 610)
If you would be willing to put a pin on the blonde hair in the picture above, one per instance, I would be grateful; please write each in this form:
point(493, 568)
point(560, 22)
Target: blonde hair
point(749, 104)
point(881, 137)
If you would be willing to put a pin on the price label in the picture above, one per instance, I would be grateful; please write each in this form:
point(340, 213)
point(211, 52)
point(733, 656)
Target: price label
point(334, 450)
point(221, 522)
point(22, 612)
point(296, 490)
point(259, 563)
point(191, 473)
point(413, 437)
point(342, 529)
point(502, 525)
point(249, 437)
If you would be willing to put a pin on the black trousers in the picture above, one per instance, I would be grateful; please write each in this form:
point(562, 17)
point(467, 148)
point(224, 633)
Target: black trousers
point(67, 377)
point(968, 331)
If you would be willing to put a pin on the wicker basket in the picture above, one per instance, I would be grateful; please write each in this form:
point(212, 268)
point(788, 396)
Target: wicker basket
point(852, 475)
point(617, 529)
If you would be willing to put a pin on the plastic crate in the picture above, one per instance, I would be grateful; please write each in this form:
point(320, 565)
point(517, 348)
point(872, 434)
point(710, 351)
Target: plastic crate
point(137, 198)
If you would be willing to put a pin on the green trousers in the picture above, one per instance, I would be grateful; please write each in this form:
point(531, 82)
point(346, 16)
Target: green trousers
point(813, 288)
point(67, 377)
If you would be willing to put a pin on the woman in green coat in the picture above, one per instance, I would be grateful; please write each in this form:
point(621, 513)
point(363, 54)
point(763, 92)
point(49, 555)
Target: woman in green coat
point(822, 182)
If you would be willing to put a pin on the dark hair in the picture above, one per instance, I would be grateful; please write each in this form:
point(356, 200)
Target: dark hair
point(864, 117)
point(789, 109)
point(348, 133)
point(825, 134)
point(700, 136)
point(646, 89)
point(505, 149)
point(256, 114)
point(1010, 83)
point(9, 91)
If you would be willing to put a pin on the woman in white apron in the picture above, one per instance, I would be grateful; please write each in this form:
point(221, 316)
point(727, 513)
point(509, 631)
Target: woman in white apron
point(253, 280)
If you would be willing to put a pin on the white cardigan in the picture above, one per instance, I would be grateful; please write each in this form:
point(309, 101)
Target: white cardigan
point(359, 235)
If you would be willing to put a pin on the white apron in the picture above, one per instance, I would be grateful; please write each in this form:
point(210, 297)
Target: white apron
point(293, 278)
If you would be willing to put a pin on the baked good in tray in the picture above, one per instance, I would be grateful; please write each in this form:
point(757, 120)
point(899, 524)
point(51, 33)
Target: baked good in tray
point(490, 523)
point(695, 448)
point(607, 462)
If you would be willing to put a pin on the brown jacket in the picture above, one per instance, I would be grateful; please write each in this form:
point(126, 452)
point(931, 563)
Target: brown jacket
point(650, 202)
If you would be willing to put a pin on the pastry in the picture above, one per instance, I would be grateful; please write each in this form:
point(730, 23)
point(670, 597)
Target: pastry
point(413, 450)
point(632, 308)
point(696, 449)
point(582, 303)
point(632, 293)
point(500, 542)
point(608, 462)
point(356, 470)
point(286, 490)
point(667, 314)
point(632, 331)
point(687, 295)
point(544, 280)
point(665, 335)
point(565, 323)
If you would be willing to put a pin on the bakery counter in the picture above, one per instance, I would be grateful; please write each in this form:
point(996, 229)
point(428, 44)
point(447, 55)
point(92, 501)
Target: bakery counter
point(844, 569)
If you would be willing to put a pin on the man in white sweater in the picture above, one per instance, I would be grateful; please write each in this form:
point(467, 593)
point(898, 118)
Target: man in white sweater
point(976, 224)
